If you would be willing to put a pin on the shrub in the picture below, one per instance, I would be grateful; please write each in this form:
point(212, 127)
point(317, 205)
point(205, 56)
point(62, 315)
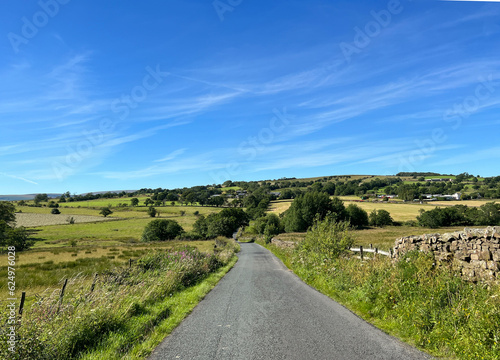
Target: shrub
point(327, 239)
point(105, 211)
point(55, 211)
point(151, 211)
point(161, 230)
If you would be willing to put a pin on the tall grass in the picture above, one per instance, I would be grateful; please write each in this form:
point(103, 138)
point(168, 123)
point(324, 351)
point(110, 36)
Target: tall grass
point(427, 305)
point(111, 312)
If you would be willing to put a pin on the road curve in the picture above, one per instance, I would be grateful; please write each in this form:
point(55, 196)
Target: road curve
point(261, 310)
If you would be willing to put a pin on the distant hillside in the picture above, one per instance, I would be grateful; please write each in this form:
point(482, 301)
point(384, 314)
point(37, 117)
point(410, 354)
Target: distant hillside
point(24, 197)
point(111, 191)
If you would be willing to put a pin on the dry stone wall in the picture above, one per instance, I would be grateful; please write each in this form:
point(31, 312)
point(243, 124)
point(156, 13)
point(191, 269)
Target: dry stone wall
point(283, 244)
point(476, 252)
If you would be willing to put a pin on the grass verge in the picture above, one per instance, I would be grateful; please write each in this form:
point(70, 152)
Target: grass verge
point(179, 306)
point(425, 305)
point(119, 313)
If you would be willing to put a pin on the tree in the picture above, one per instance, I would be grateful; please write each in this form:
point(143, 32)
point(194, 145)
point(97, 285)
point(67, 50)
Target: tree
point(308, 206)
point(216, 200)
point(270, 223)
point(148, 201)
point(151, 211)
point(40, 197)
point(380, 218)
point(161, 230)
point(55, 211)
point(224, 223)
point(9, 234)
point(286, 194)
point(357, 216)
point(105, 211)
point(134, 201)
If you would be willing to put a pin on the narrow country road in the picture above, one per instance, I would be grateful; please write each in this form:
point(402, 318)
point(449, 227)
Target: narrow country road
point(260, 310)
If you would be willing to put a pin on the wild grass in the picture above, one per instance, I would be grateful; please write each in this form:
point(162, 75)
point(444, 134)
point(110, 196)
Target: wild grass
point(426, 305)
point(37, 270)
point(122, 312)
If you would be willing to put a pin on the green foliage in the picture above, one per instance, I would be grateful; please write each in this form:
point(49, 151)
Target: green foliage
point(7, 213)
point(151, 211)
point(55, 211)
point(487, 214)
point(53, 204)
point(40, 197)
point(105, 211)
point(357, 217)
point(327, 239)
point(223, 223)
point(380, 218)
point(271, 222)
point(134, 201)
point(161, 230)
point(19, 238)
point(305, 208)
point(9, 234)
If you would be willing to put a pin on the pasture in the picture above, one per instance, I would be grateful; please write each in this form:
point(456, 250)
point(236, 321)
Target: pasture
point(92, 243)
point(399, 211)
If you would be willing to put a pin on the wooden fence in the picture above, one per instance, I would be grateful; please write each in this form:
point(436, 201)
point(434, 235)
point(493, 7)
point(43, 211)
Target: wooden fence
point(374, 251)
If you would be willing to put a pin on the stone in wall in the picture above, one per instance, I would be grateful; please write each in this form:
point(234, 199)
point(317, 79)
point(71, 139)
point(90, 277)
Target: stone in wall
point(476, 252)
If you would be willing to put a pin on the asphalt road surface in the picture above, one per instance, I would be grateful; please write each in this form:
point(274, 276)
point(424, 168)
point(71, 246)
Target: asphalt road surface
point(261, 310)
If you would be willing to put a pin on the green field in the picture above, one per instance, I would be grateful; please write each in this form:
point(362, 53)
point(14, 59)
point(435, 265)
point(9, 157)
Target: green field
point(127, 228)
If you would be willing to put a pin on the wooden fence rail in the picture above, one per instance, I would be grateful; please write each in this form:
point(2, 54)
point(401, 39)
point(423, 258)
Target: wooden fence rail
point(375, 251)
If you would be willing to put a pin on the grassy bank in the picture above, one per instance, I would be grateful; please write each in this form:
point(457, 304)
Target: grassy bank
point(428, 306)
point(121, 312)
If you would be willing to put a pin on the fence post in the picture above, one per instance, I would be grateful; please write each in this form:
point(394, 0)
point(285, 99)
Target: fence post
point(23, 297)
point(375, 253)
point(129, 263)
point(361, 252)
point(371, 246)
point(62, 294)
point(390, 251)
point(62, 290)
point(93, 283)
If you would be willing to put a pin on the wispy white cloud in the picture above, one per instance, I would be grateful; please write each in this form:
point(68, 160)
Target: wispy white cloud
point(172, 155)
point(18, 178)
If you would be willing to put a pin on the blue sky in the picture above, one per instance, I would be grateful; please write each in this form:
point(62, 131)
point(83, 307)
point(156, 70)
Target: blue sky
point(100, 96)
